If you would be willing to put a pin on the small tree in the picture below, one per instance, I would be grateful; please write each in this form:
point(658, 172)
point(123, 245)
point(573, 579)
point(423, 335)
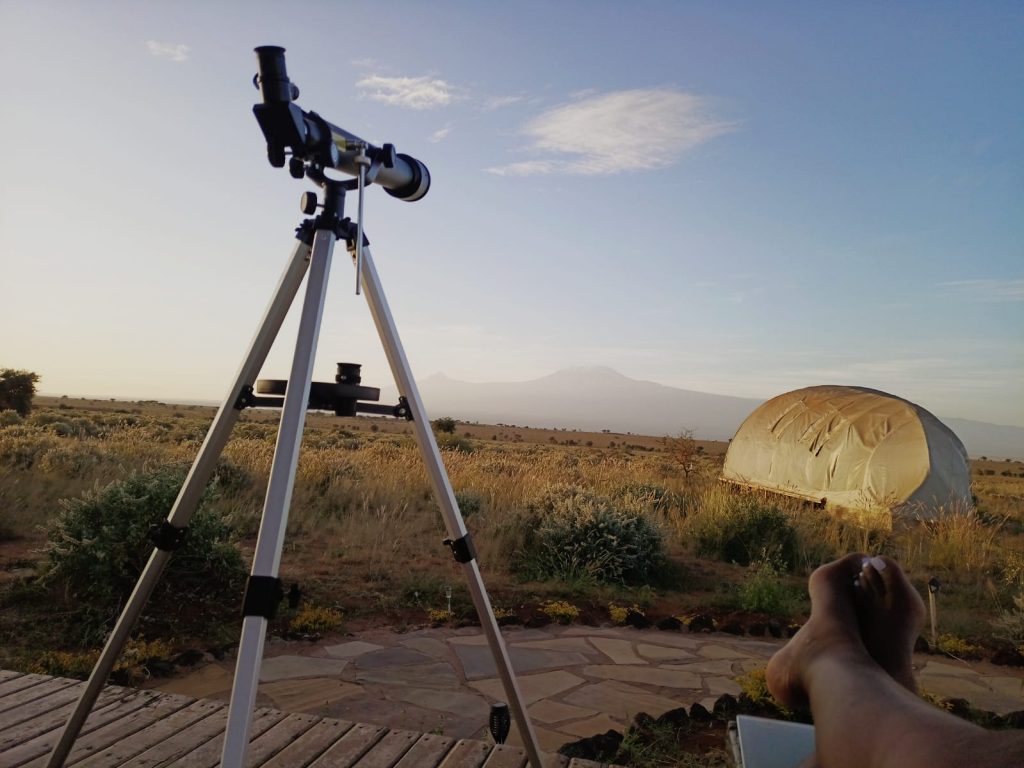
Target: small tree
point(17, 388)
point(683, 450)
point(444, 424)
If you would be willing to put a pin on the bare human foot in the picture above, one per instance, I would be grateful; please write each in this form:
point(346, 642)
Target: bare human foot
point(832, 630)
point(890, 613)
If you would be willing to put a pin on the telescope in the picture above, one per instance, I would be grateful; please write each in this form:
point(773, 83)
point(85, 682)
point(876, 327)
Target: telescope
point(316, 144)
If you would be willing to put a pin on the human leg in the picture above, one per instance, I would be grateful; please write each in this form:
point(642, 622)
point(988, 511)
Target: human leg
point(863, 717)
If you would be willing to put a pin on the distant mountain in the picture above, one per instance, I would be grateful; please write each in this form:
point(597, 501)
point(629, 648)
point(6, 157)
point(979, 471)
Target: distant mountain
point(598, 398)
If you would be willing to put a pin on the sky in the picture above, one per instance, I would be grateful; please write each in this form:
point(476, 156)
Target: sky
point(738, 198)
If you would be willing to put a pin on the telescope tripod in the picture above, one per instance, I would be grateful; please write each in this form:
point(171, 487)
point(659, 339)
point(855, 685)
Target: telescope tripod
point(312, 253)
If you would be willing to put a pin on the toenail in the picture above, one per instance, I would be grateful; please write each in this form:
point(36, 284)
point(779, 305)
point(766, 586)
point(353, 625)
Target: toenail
point(864, 562)
point(878, 563)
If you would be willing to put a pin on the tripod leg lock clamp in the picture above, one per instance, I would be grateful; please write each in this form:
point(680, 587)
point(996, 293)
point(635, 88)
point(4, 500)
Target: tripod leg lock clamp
point(262, 594)
point(167, 537)
point(462, 549)
point(246, 399)
point(402, 410)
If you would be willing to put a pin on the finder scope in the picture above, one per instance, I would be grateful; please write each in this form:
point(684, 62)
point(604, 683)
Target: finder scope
point(316, 144)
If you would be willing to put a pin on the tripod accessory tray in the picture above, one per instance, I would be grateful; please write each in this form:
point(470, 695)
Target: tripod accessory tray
point(262, 595)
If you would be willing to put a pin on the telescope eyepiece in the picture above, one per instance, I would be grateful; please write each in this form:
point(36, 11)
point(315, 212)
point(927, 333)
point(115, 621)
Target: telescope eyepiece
point(272, 76)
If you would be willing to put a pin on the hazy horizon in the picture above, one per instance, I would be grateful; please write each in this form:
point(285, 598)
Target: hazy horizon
point(737, 199)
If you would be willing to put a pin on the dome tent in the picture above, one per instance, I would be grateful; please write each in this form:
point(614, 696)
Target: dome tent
point(850, 447)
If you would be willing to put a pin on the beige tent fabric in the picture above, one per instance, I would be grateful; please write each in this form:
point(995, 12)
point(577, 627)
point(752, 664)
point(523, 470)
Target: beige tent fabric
point(851, 447)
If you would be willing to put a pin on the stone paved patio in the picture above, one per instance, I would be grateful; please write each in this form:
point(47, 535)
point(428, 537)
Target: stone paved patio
point(576, 681)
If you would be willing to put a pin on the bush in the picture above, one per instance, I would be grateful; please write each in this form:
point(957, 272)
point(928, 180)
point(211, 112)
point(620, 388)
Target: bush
point(450, 442)
point(573, 535)
point(17, 388)
point(747, 531)
point(445, 424)
point(100, 542)
point(762, 591)
point(314, 620)
point(9, 417)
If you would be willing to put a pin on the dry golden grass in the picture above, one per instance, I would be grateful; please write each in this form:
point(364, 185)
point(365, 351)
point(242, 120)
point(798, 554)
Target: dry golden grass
point(364, 523)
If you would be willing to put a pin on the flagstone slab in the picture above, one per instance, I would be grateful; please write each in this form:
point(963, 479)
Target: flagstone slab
point(477, 661)
point(549, 740)
point(351, 649)
point(662, 653)
point(431, 646)
point(1012, 687)
point(940, 668)
point(202, 684)
point(308, 694)
point(718, 686)
point(437, 674)
point(391, 657)
point(663, 678)
point(703, 667)
point(595, 631)
point(289, 667)
point(592, 726)
point(467, 705)
point(716, 651)
point(532, 687)
point(577, 644)
point(548, 711)
point(673, 639)
point(618, 650)
point(621, 700)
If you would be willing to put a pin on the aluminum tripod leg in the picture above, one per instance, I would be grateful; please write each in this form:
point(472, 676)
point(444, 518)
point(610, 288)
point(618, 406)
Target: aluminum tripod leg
point(445, 497)
point(189, 496)
point(267, 559)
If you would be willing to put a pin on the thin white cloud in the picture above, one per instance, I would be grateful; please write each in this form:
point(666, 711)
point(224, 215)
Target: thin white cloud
point(173, 51)
point(440, 134)
point(408, 92)
point(632, 130)
point(491, 103)
point(986, 290)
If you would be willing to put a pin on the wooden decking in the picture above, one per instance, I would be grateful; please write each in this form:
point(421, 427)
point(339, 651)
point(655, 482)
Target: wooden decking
point(145, 729)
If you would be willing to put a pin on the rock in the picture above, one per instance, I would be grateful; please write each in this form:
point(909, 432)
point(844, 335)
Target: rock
point(675, 718)
point(775, 629)
point(757, 629)
point(189, 658)
point(733, 628)
point(1013, 719)
point(637, 619)
point(670, 624)
point(700, 714)
point(1008, 657)
point(921, 645)
point(600, 748)
point(726, 706)
point(792, 629)
point(701, 623)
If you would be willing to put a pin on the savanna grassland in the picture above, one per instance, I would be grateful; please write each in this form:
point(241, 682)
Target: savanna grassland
point(611, 527)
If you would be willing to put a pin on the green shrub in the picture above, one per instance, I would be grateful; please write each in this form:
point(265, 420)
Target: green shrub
point(646, 496)
point(450, 442)
point(100, 542)
point(9, 417)
point(445, 424)
point(574, 535)
point(469, 502)
point(745, 531)
point(762, 591)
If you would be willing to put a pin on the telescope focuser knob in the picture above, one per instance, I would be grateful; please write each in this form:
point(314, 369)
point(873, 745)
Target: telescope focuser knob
point(308, 203)
point(388, 156)
point(296, 168)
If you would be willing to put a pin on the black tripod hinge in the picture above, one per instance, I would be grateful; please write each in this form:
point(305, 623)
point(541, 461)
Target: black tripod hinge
point(305, 231)
point(262, 594)
point(167, 537)
point(246, 399)
point(402, 410)
point(462, 549)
